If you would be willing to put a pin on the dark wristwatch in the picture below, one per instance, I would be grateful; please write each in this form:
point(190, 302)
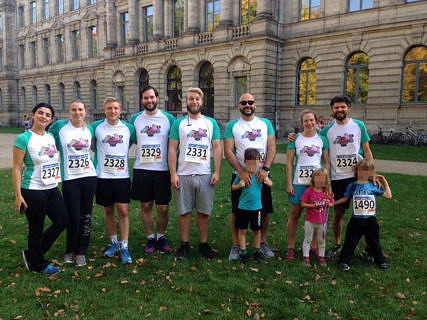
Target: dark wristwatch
point(266, 169)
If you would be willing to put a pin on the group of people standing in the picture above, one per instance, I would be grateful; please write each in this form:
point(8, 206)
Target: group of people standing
point(173, 153)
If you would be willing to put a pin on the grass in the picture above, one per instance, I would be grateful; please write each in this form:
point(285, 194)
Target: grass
point(158, 287)
point(386, 152)
point(11, 130)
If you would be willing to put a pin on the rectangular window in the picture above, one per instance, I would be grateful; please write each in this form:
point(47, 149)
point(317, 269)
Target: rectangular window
point(75, 4)
point(309, 9)
point(60, 7)
point(93, 42)
point(1, 59)
point(124, 18)
point(178, 18)
point(247, 11)
point(21, 16)
point(92, 1)
point(240, 87)
point(21, 56)
point(46, 9)
point(412, 0)
point(46, 51)
point(1, 21)
point(75, 41)
point(60, 48)
point(33, 8)
point(33, 47)
point(357, 5)
point(147, 13)
point(213, 9)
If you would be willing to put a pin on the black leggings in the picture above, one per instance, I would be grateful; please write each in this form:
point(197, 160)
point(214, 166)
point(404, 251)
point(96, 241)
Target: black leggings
point(41, 203)
point(78, 196)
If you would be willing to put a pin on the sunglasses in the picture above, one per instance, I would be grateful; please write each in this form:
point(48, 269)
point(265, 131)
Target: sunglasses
point(249, 102)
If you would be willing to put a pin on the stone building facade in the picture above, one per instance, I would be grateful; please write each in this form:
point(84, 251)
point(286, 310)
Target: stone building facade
point(291, 54)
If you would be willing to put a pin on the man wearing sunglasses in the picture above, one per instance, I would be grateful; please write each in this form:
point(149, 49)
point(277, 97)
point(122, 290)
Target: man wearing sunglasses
point(250, 131)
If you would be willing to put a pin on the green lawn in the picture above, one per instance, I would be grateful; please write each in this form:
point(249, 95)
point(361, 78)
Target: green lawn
point(11, 130)
point(386, 152)
point(159, 287)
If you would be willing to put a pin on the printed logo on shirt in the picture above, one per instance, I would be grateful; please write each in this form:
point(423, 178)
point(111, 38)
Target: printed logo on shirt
point(252, 135)
point(198, 134)
point(344, 140)
point(310, 151)
point(49, 151)
point(78, 144)
point(151, 131)
point(113, 140)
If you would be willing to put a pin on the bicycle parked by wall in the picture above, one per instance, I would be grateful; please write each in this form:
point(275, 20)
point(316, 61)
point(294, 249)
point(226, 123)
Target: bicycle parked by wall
point(386, 138)
point(413, 138)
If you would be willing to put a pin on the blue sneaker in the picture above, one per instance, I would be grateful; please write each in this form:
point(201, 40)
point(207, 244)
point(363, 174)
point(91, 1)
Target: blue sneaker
point(114, 247)
point(126, 258)
point(51, 269)
point(162, 245)
point(150, 246)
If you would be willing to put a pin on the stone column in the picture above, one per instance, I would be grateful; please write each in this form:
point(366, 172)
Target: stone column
point(264, 9)
point(111, 24)
point(226, 15)
point(193, 17)
point(158, 30)
point(133, 22)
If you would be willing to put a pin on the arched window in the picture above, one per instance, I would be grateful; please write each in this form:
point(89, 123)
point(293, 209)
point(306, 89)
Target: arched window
point(93, 95)
point(23, 99)
point(143, 82)
point(414, 76)
point(356, 82)
point(206, 83)
point(35, 96)
point(47, 94)
point(61, 89)
point(77, 93)
point(174, 89)
point(306, 80)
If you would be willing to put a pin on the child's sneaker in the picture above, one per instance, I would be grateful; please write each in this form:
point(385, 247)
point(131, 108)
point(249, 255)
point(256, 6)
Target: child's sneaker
point(266, 250)
point(383, 266)
point(322, 262)
point(244, 257)
point(258, 256)
point(69, 257)
point(234, 252)
point(290, 254)
point(126, 258)
point(306, 261)
point(344, 266)
point(80, 260)
point(150, 247)
point(334, 252)
point(51, 269)
point(114, 247)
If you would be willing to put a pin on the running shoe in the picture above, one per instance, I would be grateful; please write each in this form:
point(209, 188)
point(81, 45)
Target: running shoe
point(322, 262)
point(26, 261)
point(234, 252)
point(126, 258)
point(51, 269)
point(206, 251)
point(258, 256)
point(69, 257)
point(290, 254)
point(334, 252)
point(244, 257)
point(111, 251)
point(383, 266)
point(306, 261)
point(150, 247)
point(80, 260)
point(182, 252)
point(344, 266)
point(162, 245)
point(266, 250)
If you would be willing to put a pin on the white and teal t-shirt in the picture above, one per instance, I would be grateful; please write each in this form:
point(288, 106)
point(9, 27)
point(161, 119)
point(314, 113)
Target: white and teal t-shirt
point(152, 135)
point(74, 145)
point(41, 160)
point(308, 156)
point(195, 138)
point(249, 134)
point(112, 148)
point(345, 146)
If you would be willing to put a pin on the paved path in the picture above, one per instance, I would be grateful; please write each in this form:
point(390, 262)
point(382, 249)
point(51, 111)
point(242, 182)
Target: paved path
point(403, 167)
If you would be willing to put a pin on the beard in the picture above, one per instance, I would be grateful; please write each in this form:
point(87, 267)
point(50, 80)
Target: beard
point(340, 115)
point(148, 108)
point(194, 110)
point(243, 111)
